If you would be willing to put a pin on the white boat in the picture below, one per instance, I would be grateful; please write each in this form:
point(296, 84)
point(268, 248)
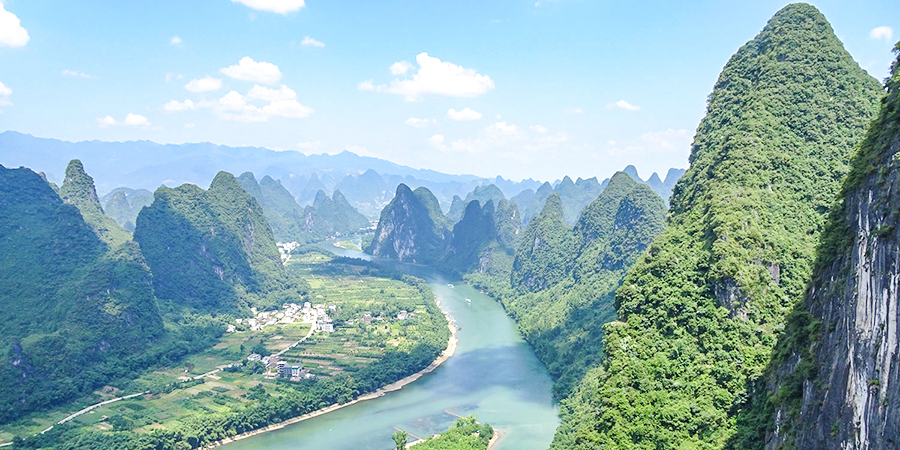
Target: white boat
point(450, 285)
point(468, 300)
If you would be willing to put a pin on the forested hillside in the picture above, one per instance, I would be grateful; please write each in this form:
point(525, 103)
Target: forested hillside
point(480, 193)
point(124, 204)
point(484, 240)
point(833, 381)
point(212, 250)
point(71, 308)
point(562, 281)
point(700, 312)
point(325, 218)
point(78, 190)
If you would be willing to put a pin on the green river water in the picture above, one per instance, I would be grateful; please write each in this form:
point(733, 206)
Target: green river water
point(493, 374)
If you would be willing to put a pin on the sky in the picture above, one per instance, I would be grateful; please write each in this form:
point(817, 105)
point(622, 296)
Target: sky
point(521, 89)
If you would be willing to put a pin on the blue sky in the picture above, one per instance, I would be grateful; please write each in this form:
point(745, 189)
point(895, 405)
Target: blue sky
point(513, 88)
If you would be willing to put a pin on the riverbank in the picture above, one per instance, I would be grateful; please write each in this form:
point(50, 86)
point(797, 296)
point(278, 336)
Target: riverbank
point(395, 386)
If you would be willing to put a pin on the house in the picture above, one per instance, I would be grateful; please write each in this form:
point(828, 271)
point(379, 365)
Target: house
point(402, 315)
point(327, 327)
point(254, 357)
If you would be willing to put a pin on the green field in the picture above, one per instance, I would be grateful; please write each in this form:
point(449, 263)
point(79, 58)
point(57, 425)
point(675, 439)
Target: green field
point(348, 291)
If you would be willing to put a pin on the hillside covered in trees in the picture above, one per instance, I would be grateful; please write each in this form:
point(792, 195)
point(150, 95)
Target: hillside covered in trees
point(73, 306)
point(212, 250)
point(700, 312)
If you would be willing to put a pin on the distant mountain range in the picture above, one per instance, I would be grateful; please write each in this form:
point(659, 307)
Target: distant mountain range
point(368, 183)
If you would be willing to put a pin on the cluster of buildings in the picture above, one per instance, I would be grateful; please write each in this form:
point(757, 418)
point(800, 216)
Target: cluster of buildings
point(276, 368)
point(290, 313)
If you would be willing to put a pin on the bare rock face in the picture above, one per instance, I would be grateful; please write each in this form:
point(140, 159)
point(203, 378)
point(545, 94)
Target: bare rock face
point(851, 398)
point(411, 228)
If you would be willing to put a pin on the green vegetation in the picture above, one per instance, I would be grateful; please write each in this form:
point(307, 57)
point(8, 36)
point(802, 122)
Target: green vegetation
point(412, 227)
point(482, 194)
point(560, 291)
point(573, 197)
point(484, 240)
point(802, 351)
point(124, 204)
point(179, 412)
point(78, 190)
point(73, 315)
point(212, 250)
point(465, 434)
point(700, 311)
point(326, 217)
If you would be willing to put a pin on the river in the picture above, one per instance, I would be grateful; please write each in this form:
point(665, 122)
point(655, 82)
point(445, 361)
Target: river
point(493, 374)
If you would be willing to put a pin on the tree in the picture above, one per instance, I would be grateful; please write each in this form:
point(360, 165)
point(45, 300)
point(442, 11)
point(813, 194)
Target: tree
point(400, 439)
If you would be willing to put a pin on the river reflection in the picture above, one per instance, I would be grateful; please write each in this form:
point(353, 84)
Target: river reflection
point(493, 374)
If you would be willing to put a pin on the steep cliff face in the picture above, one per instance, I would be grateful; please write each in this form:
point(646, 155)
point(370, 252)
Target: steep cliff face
point(411, 228)
point(485, 239)
point(844, 364)
point(700, 311)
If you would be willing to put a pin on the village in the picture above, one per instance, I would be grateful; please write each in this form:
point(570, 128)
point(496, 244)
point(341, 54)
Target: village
point(315, 315)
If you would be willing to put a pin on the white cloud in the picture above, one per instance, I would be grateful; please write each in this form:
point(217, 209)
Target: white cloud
point(503, 138)
point(173, 76)
point(670, 140)
point(885, 33)
point(132, 120)
point(574, 110)
point(12, 34)
point(249, 70)
point(175, 40)
point(234, 106)
point(624, 105)
point(400, 68)
point(310, 41)
point(107, 121)
point(73, 73)
point(136, 120)
point(175, 105)
point(5, 92)
point(420, 123)
point(464, 115)
point(290, 109)
point(366, 86)
point(315, 145)
point(272, 95)
point(437, 141)
point(204, 84)
point(189, 125)
point(275, 6)
point(439, 78)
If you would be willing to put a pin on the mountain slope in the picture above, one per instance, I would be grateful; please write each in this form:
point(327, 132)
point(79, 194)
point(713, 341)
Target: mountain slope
point(411, 228)
point(835, 380)
point(212, 250)
point(69, 310)
point(562, 283)
point(699, 311)
point(124, 204)
point(78, 190)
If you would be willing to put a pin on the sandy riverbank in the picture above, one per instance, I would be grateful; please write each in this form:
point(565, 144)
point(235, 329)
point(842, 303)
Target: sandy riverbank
point(395, 386)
